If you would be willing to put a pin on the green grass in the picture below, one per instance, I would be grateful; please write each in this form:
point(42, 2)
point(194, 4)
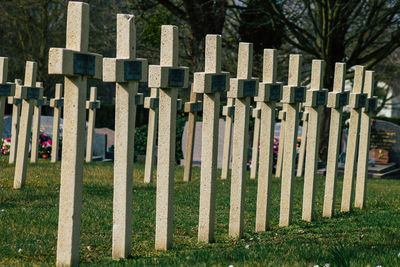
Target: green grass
point(28, 224)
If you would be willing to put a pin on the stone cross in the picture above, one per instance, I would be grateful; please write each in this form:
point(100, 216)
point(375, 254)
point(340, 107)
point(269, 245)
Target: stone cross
point(292, 95)
point(365, 131)
point(357, 101)
point(16, 110)
point(282, 118)
point(302, 151)
point(228, 111)
point(316, 98)
point(76, 64)
point(169, 78)
point(91, 105)
point(6, 90)
point(210, 83)
point(336, 101)
point(57, 102)
point(151, 103)
point(37, 112)
point(29, 94)
point(241, 88)
point(269, 92)
point(191, 107)
point(256, 114)
point(126, 71)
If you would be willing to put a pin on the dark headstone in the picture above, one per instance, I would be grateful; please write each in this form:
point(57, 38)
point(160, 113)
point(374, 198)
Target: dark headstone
point(386, 136)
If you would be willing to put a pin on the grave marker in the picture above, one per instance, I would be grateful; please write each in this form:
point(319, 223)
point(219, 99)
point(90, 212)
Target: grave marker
point(365, 131)
point(6, 90)
point(37, 112)
point(256, 114)
point(303, 144)
point(126, 71)
point(16, 107)
point(168, 77)
point(91, 105)
point(336, 100)
point(269, 92)
point(356, 102)
point(228, 111)
point(282, 117)
point(316, 98)
point(192, 108)
point(292, 95)
point(29, 94)
point(57, 102)
point(241, 88)
point(151, 103)
point(76, 64)
point(210, 83)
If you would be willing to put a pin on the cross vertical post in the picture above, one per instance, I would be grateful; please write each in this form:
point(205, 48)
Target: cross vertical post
point(91, 105)
point(6, 90)
point(279, 164)
point(228, 111)
point(37, 112)
point(303, 144)
point(151, 103)
point(256, 141)
point(16, 110)
point(57, 102)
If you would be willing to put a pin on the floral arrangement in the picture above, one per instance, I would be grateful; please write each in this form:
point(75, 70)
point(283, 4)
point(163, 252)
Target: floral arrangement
point(5, 146)
point(44, 146)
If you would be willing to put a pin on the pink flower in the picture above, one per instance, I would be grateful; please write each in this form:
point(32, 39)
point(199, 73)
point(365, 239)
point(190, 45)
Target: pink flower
point(49, 141)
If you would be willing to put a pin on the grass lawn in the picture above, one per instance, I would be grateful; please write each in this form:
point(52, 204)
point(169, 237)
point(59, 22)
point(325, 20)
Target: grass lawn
point(28, 224)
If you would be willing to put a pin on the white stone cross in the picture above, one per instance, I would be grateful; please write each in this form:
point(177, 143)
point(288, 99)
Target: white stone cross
point(316, 98)
point(151, 103)
point(269, 92)
point(365, 131)
point(57, 102)
point(126, 71)
point(292, 95)
point(168, 77)
point(91, 105)
point(256, 114)
point(279, 161)
point(210, 83)
point(6, 90)
point(357, 101)
point(16, 110)
point(37, 112)
point(228, 111)
point(76, 64)
point(241, 88)
point(29, 93)
point(336, 101)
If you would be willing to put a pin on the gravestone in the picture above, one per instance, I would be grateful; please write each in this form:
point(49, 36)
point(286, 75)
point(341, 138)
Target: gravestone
point(256, 114)
point(37, 113)
point(228, 111)
point(191, 107)
point(151, 103)
point(303, 144)
point(91, 105)
point(29, 94)
point(126, 71)
point(282, 118)
point(385, 142)
point(336, 101)
point(292, 95)
point(75, 64)
point(357, 101)
point(169, 78)
point(57, 102)
point(6, 89)
point(241, 88)
point(269, 92)
point(316, 98)
point(365, 130)
point(210, 83)
point(16, 110)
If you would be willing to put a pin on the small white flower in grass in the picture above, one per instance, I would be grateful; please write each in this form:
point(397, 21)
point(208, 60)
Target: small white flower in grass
point(327, 265)
point(398, 255)
point(316, 265)
point(20, 250)
point(230, 265)
point(247, 246)
point(3, 210)
point(378, 265)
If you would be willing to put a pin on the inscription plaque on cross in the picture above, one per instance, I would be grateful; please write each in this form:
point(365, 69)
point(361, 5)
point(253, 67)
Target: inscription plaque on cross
point(76, 65)
point(256, 114)
point(29, 93)
point(365, 132)
point(316, 98)
point(292, 95)
point(336, 101)
point(126, 71)
point(7, 89)
point(357, 101)
point(91, 105)
point(242, 89)
point(269, 92)
point(191, 107)
point(228, 111)
point(56, 103)
point(16, 110)
point(211, 83)
point(37, 112)
point(169, 78)
point(302, 151)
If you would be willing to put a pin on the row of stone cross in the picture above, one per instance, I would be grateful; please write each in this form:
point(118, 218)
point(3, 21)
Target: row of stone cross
point(76, 64)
